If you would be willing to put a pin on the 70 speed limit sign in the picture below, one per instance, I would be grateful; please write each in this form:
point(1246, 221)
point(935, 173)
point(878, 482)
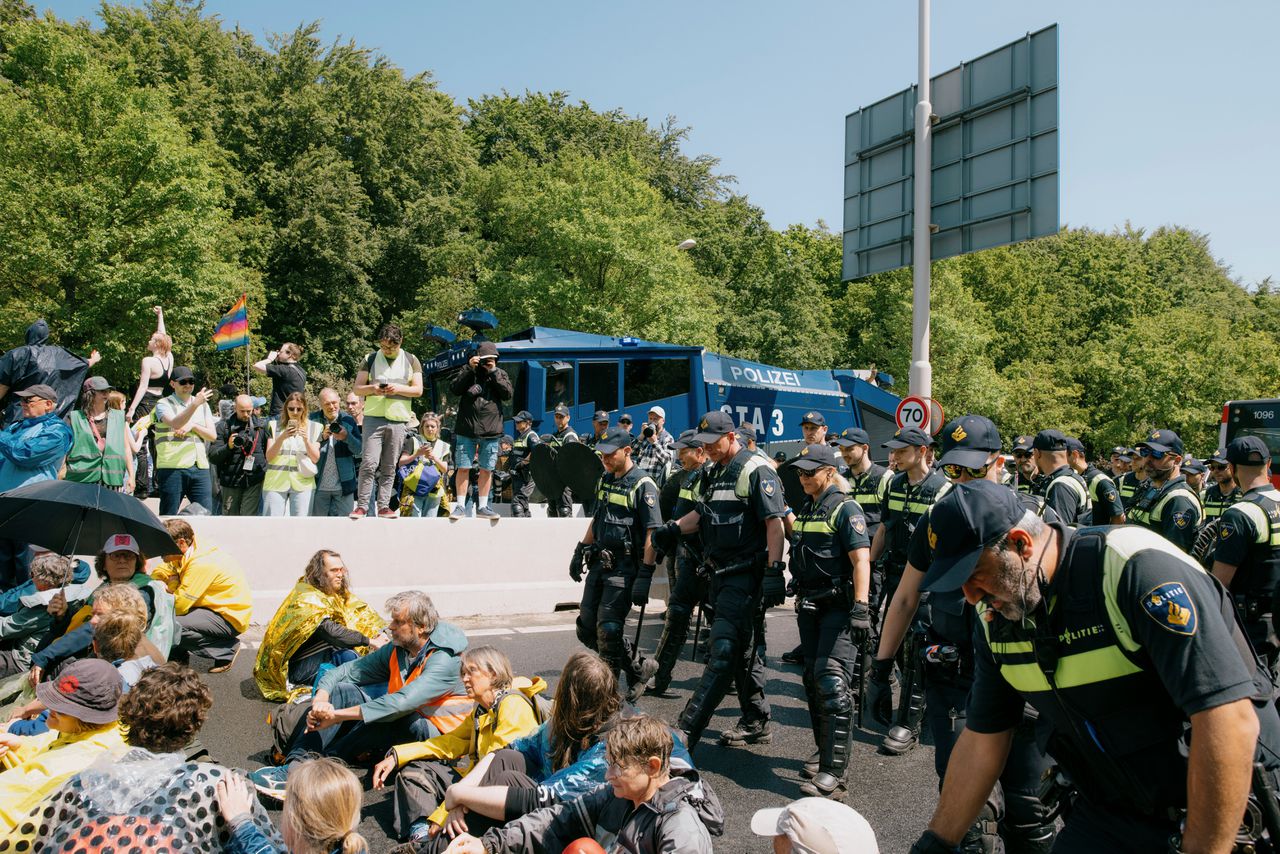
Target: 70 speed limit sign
point(915, 411)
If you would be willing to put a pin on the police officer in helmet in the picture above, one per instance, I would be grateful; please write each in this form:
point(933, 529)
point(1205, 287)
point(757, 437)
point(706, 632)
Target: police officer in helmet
point(618, 555)
point(1247, 555)
point(832, 574)
point(1120, 641)
point(740, 522)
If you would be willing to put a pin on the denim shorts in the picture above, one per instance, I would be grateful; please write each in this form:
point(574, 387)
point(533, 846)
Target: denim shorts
point(466, 452)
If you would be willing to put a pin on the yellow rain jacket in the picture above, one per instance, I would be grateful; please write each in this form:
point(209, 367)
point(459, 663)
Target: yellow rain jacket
point(42, 763)
point(208, 578)
point(297, 618)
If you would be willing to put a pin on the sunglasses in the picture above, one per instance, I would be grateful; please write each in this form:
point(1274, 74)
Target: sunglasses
point(808, 473)
point(185, 382)
point(953, 471)
point(1144, 451)
point(1021, 455)
point(295, 409)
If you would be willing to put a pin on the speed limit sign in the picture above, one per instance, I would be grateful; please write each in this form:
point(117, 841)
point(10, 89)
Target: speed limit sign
point(912, 412)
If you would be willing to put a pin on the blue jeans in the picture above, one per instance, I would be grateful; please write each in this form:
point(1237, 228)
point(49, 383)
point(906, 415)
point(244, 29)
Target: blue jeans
point(356, 741)
point(426, 505)
point(190, 483)
point(291, 503)
point(328, 502)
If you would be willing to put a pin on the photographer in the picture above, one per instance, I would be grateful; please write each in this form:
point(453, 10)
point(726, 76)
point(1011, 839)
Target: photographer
point(340, 446)
point(656, 447)
point(481, 387)
point(239, 452)
point(286, 376)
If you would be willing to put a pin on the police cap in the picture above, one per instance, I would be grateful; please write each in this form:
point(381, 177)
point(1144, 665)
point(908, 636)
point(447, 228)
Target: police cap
point(1248, 451)
point(1164, 441)
point(714, 425)
point(746, 431)
point(613, 440)
point(851, 436)
point(561, 409)
point(1218, 457)
point(1022, 444)
point(1049, 440)
point(1075, 445)
point(908, 437)
point(815, 457)
point(1194, 466)
point(968, 519)
point(600, 415)
point(814, 417)
point(688, 439)
point(968, 441)
point(1122, 452)
point(523, 415)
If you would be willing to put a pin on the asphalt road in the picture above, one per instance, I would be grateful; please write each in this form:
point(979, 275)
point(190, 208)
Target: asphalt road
point(895, 794)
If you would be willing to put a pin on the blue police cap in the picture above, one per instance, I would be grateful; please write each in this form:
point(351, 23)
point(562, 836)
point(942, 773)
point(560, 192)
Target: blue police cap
point(968, 519)
point(968, 441)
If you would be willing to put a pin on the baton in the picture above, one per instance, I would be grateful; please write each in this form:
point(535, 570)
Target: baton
point(697, 633)
point(639, 626)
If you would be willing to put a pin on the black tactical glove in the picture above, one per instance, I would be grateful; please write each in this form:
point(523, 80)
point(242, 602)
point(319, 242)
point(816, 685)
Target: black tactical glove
point(640, 587)
point(774, 586)
point(930, 843)
point(666, 539)
point(879, 699)
point(575, 565)
point(860, 618)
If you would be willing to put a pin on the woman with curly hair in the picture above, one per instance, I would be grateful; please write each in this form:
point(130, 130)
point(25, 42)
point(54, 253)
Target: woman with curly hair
point(151, 798)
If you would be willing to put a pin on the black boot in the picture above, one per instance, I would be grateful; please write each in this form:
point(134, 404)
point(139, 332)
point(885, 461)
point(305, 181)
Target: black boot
point(810, 768)
point(837, 737)
point(703, 704)
point(674, 633)
point(743, 732)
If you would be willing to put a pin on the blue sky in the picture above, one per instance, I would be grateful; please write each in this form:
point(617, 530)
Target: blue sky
point(1168, 110)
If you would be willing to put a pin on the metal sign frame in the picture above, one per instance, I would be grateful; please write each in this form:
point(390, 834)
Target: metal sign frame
point(994, 160)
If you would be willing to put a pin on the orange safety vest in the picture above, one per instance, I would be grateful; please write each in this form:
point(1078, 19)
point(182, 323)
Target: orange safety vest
point(445, 712)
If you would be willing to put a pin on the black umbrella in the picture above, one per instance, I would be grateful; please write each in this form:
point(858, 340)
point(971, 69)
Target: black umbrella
point(77, 518)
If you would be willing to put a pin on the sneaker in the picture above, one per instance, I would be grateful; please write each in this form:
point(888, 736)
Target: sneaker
point(487, 513)
point(644, 673)
point(387, 513)
point(459, 511)
point(747, 733)
point(358, 513)
point(270, 781)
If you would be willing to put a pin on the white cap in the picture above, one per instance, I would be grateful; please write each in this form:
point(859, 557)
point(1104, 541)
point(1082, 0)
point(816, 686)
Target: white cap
point(817, 826)
point(662, 413)
point(121, 543)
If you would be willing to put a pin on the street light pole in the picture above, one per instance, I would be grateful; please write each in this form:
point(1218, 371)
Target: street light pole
point(921, 376)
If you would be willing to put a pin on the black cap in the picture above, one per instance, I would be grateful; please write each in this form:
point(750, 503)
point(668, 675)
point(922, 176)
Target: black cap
point(851, 436)
point(1219, 456)
point(815, 457)
point(561, 409)
point(1248, 451)
point(814, 417)
point(1074, 444)
point(487, 350)
point(612, 440)
point(600, 415)
point(714, 425)
point(970, 517)
point(1164, 441)
point(909, 437)
point(181, 373)
point(1049, 440)
point(1023, 443)
point(1194, 466)
point(624, 418)
point(523, 415)
point(1120, 451)
point(746, 431)
point(968, 441)
point(687, 440)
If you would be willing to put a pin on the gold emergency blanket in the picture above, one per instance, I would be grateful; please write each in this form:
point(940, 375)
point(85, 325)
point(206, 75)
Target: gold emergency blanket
point(297, 618)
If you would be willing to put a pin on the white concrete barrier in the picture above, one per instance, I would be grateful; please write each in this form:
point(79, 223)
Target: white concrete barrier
point(469, 566)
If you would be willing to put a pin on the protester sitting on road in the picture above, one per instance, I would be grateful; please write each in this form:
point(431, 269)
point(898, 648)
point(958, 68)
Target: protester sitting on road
point(318, 623)
point(82, 704)
point(292, 455)
point(815, 826)
point(211, 597)
point(117, 638)
point(21, 631)
point(151, 798)
point(425, 450)
point(31, 450)
point(408, 690)
point(11, 599)
point(320, 814)
point(341, 445)
point(638, 753)
point(563, 759)
point(102, 445)
point(505, 710)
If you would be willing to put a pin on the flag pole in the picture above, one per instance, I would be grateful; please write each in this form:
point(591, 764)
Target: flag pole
point(247, 345)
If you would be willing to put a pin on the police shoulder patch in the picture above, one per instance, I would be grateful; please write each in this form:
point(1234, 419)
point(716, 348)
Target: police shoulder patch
point(648, 499)
point(859, 523)
point(1182, 518)
point(768, 488)
point(1170, 605)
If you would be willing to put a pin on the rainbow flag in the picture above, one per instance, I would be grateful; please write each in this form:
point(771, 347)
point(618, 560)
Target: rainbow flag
point(233, 329)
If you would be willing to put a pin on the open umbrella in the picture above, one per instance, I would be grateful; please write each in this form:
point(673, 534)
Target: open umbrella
point(77, 518)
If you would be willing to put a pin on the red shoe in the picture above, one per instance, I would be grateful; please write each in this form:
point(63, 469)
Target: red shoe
point(387, 513)
point(358, 513)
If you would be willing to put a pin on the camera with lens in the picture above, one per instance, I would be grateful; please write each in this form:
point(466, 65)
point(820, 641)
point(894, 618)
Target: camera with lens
point(648, 431)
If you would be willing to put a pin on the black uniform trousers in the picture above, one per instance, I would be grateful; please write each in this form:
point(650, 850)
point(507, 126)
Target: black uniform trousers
point(1093, 828)
point(521, 491)
point(826, 642)
point(690, 589)
point(739, 620)
point(561, 506)
point(602, 614)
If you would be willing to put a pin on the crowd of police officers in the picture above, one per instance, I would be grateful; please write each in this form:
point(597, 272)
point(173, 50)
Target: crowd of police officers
point(1096, 652)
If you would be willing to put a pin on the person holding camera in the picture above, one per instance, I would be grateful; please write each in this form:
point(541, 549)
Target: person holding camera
point(388, 381)
point(240, 453)
point(340, 447)
point(286, 376)
point(656, 447)
point(481, 387)
point(292, 457)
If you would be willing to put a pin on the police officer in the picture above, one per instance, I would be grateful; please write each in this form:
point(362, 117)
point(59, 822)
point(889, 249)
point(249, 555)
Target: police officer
point(1119, 641)
point(1133, 482)
point(599, 425)
point(832, 575)
point(1195, 471)
point(690, 587)
point(912, 491)
point(1104, 496)
point(1247, 556)
point(740, 522)
point(868, 481)
point(518, 463)
point(970, 451)
point(561, 506)
point(619, 558)
point(1168, 506)
point(1121, 458)
point(1063, 489)
point(1223, 491)
point(1024, 478)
